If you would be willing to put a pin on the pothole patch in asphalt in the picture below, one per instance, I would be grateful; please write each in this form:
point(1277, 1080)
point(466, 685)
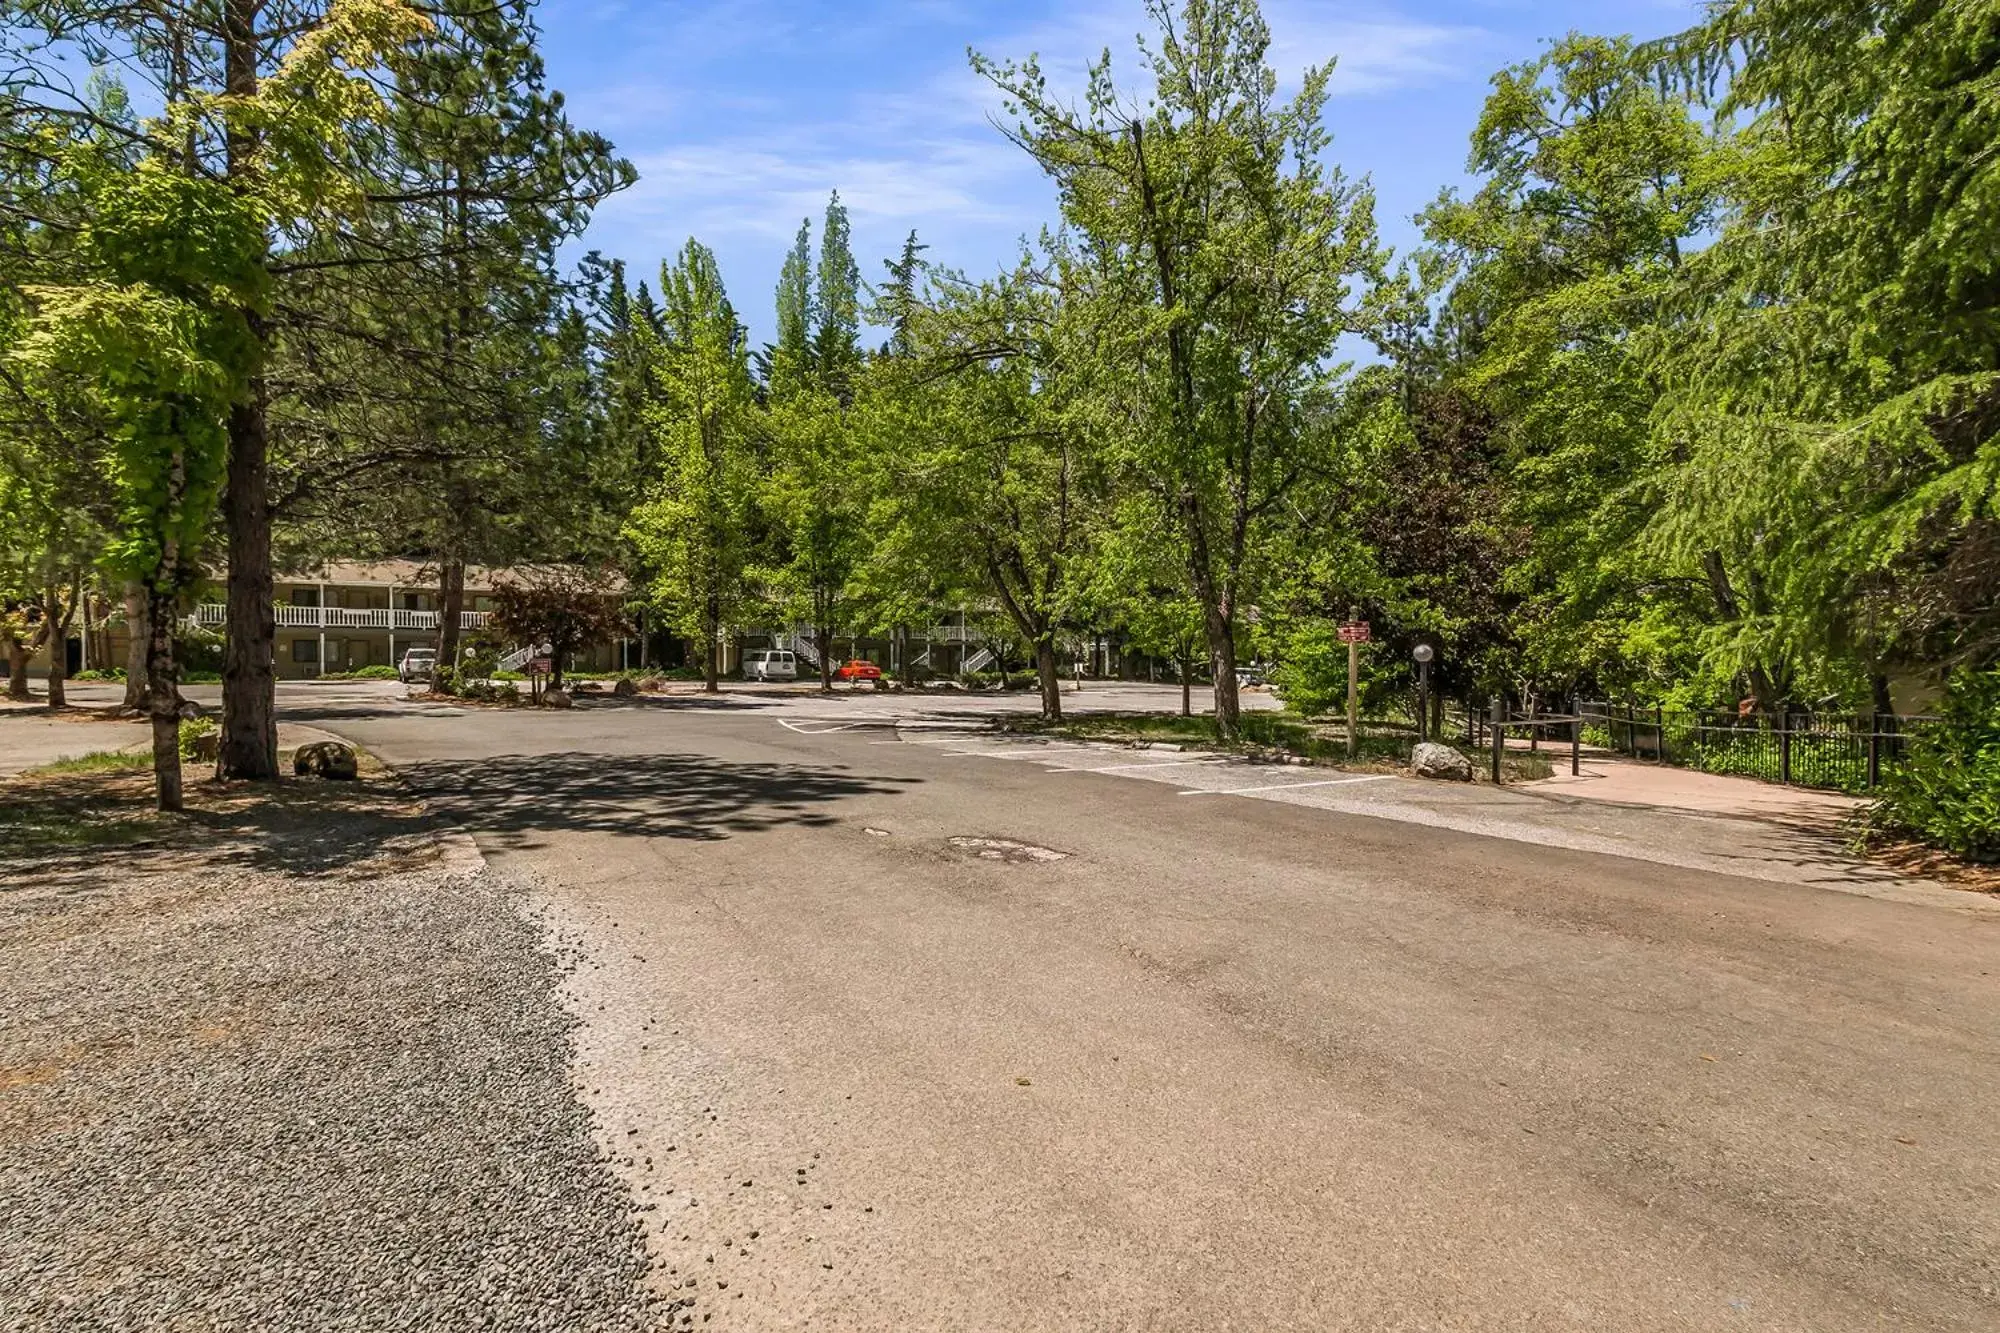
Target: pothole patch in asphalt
point(1006, 849)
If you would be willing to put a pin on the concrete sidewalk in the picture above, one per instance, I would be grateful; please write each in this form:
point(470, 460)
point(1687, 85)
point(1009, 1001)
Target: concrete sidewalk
point(1634, 782)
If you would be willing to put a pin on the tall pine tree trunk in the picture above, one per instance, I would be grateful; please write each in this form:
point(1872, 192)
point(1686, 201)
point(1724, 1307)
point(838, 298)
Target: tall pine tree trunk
point(248, 745)
point(451, 606)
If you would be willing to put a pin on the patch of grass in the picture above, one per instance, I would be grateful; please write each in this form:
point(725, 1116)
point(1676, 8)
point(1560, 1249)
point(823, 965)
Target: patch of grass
point(1379, 744)
point(98, 761)
point(76, 805)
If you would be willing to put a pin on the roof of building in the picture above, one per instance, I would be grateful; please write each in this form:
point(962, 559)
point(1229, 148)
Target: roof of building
point(422, 574)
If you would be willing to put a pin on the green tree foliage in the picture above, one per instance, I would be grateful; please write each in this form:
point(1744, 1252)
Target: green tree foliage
point(1831, 391)
point(836, 308)
point(1223, 253)
point(989, 474)
point(414, 176)
point(1595, 183)
point(1946, 790)
point(811, 501)
point(693, 529)
point(790, 361)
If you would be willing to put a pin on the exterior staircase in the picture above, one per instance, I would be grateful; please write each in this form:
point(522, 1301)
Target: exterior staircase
point(801, 643)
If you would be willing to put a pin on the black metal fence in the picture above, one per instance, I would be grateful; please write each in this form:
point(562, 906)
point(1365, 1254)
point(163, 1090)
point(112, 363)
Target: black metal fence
point(1833, 751)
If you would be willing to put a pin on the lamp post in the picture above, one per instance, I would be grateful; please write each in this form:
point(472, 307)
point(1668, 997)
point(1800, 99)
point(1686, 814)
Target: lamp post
point(1423, 653)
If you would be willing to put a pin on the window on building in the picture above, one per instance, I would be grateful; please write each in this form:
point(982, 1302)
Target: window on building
point(305, 650)
point(305, 597)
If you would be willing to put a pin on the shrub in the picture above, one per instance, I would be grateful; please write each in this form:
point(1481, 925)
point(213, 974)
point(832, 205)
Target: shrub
point(365, 673)
point(506, 692)
point(192, 730)
point(110, 673)
point(444, 680)
point(1946, 791)
point(1313, 675)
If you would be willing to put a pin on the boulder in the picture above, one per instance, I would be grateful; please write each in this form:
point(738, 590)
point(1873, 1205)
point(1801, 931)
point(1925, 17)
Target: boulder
point(624, 689)
point(1431, 760)
point(557, 699)
point(326, 759)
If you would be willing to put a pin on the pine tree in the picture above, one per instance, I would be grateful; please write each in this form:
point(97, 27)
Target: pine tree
point(693, 528)
point(836, 308)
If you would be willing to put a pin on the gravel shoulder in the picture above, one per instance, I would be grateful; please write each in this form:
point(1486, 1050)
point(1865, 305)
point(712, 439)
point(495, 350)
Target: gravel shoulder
point(301, 1065)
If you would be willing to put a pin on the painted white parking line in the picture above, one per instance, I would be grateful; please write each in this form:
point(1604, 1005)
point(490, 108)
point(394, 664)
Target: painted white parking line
point(1121, 768)
point(1288, 786)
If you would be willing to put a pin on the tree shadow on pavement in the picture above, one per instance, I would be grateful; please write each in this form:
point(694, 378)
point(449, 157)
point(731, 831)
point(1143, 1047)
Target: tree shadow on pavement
point(515, 797)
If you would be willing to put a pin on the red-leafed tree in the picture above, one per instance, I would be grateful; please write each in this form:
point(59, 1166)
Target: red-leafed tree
point(566, 607)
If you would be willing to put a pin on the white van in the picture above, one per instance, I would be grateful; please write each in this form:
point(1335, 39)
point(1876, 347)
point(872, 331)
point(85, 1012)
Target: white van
point(770, 664)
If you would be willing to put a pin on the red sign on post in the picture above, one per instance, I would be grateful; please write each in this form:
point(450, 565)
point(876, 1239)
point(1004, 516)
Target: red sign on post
point(539, 667)
point(1354, 631)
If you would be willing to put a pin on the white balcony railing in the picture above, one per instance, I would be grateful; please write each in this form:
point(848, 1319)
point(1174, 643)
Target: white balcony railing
point(342, 617)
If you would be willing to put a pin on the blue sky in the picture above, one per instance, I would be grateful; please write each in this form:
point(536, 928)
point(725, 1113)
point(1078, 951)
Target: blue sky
point(742, 115)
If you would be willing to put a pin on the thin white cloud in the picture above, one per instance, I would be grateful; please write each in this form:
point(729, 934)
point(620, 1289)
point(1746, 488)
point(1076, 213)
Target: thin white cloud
point(917, 148)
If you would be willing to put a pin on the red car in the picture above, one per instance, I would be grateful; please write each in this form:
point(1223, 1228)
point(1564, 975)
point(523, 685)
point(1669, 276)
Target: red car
point(857, 670)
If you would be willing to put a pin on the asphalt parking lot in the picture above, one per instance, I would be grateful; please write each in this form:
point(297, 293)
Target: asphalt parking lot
point(891, 1022)
point(977, 1032)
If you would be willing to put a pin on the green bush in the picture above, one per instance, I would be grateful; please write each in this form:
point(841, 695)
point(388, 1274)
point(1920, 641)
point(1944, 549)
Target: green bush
point(444, 680)
point(1946, 790)
point(112, 673)
point(1313, 676)
point(192, 730)
point(364, 673)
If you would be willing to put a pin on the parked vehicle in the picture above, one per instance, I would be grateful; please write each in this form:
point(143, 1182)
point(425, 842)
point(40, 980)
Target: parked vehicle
point(770, 664)
point(417, 665)
point(1252, 675)
point(857, 670)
